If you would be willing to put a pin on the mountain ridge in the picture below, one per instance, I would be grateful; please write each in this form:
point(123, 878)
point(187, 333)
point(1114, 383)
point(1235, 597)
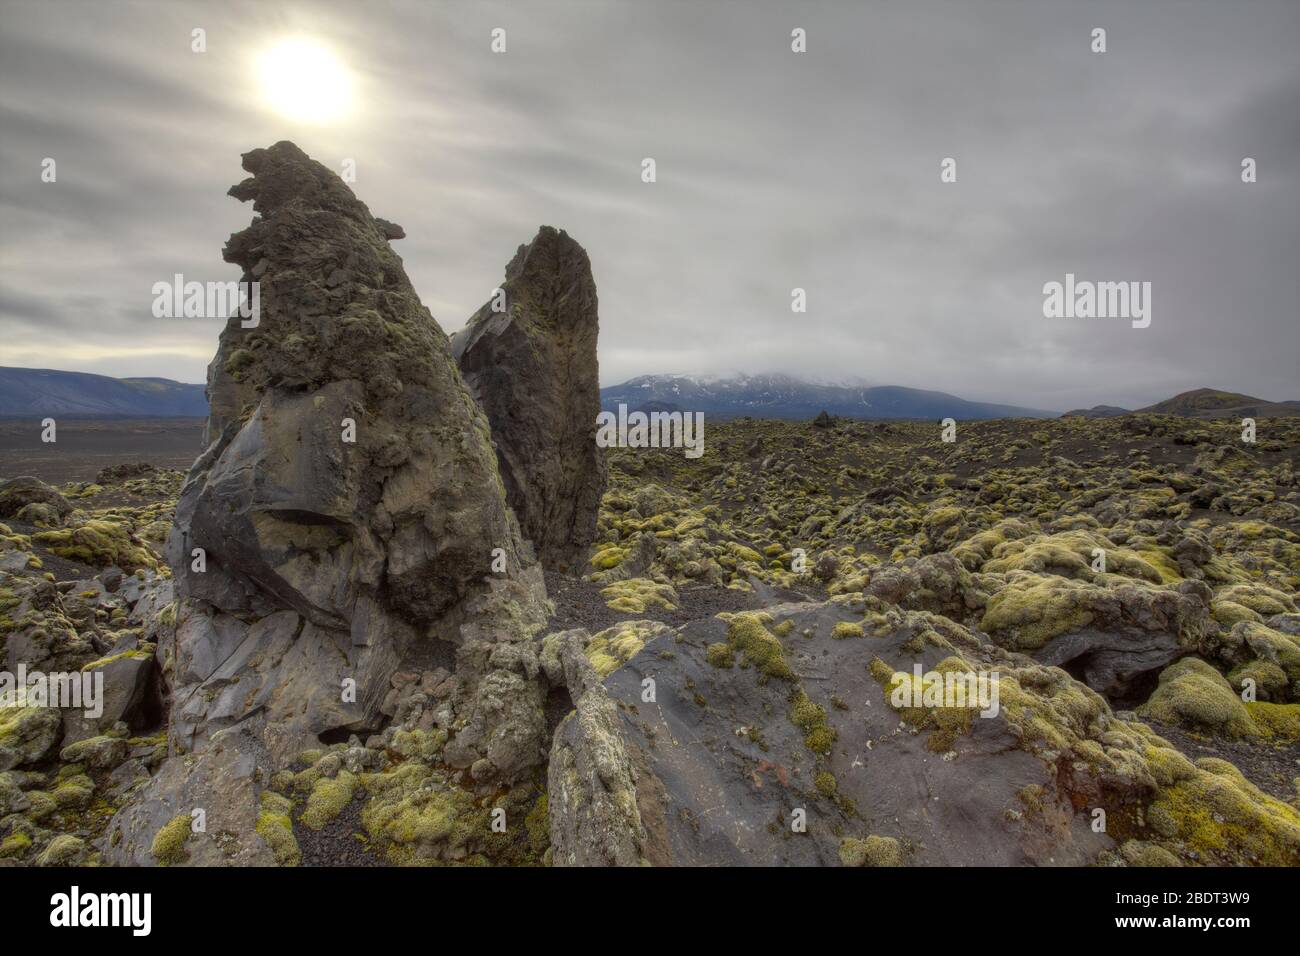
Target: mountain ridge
point(28, 392)
point(42, 391)
point(1198, 403)
point(787, 398)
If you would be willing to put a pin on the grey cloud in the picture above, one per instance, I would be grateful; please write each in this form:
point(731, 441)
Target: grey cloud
point(775, 171)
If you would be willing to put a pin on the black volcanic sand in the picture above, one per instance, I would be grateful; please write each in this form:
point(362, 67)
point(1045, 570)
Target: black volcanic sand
point(341, 842)
point(579, 603)
point(84, 447)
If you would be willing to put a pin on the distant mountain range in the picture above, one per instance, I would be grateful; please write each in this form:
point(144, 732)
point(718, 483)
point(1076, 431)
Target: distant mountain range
point(1201, 403)
point(783, 397)
point(30, 392)
point(37, 392)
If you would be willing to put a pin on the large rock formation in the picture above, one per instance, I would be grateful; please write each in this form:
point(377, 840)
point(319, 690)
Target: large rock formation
point(776, 738)
point(529, 357)
point(343, 521)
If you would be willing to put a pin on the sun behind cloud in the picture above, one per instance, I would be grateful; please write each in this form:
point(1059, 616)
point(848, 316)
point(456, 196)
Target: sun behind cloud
point(304, 81)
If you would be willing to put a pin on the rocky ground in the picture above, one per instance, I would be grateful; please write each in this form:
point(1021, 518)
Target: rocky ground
point(1122, 688)
point(408, 613)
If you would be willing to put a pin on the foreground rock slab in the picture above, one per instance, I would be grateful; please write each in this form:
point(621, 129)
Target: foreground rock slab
point(774, 738)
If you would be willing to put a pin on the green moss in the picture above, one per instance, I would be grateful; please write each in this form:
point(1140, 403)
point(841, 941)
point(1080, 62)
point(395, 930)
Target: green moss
point(1270, 681)
point(748, 635)
point(846, 629)
point(1258, 598)
point(275, 827)
point(327, 799)
point(1277, 721)
point(1143, 854)
point(613, 647)
point(143, 653)
point(1032, 609)
point(810, 718)
point(168, 847)
point(826, 785)
point(1268, 644)
point(946, 724)
point(1229, 613)
point(42, 806)
point(720, 655)
point(1192, 693)
point(637, 595)
point(1223, 819)
point(424, 745)
point(74, 792)
point(875, 851)
point(413, 821)
point(15, 845)
point(167, 616)
point(538, 825)
point(99, 543)
point(610, 557)
point(63, 850)
point(238, 363)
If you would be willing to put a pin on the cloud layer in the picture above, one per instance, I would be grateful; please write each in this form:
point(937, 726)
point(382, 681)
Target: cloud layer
point(775, 170)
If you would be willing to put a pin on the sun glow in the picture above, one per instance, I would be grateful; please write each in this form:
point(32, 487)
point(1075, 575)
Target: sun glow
point(305, 82)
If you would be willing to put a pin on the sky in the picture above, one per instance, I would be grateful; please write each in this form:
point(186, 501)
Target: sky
point(775, 170)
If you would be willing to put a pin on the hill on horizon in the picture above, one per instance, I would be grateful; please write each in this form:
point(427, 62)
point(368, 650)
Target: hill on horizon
point(41, 391)
point(1199, 403)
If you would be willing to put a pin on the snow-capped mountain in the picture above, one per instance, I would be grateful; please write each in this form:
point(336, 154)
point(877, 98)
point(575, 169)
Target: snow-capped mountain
point(786, 397)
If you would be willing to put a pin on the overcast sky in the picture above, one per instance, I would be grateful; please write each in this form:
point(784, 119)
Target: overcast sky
point(775, 170)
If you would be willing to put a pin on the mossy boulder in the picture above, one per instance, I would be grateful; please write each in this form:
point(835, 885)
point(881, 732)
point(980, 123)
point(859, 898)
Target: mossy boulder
point(275, 826)
point(413, 816)
point(64, 850)
point(1193, 694)
point(1032, 609)
point(17, 493)
point(99, 542)
point(328, 799)
point(27, 734)
point(99, 753)
point(41, 515)
point(637, 595)
point(1213, 813)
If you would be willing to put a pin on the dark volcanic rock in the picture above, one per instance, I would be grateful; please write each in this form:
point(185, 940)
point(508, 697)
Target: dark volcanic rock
point(532, 366)
point(347, 509)
point(713, 770)
point(354, 500)
point(1119, 664)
